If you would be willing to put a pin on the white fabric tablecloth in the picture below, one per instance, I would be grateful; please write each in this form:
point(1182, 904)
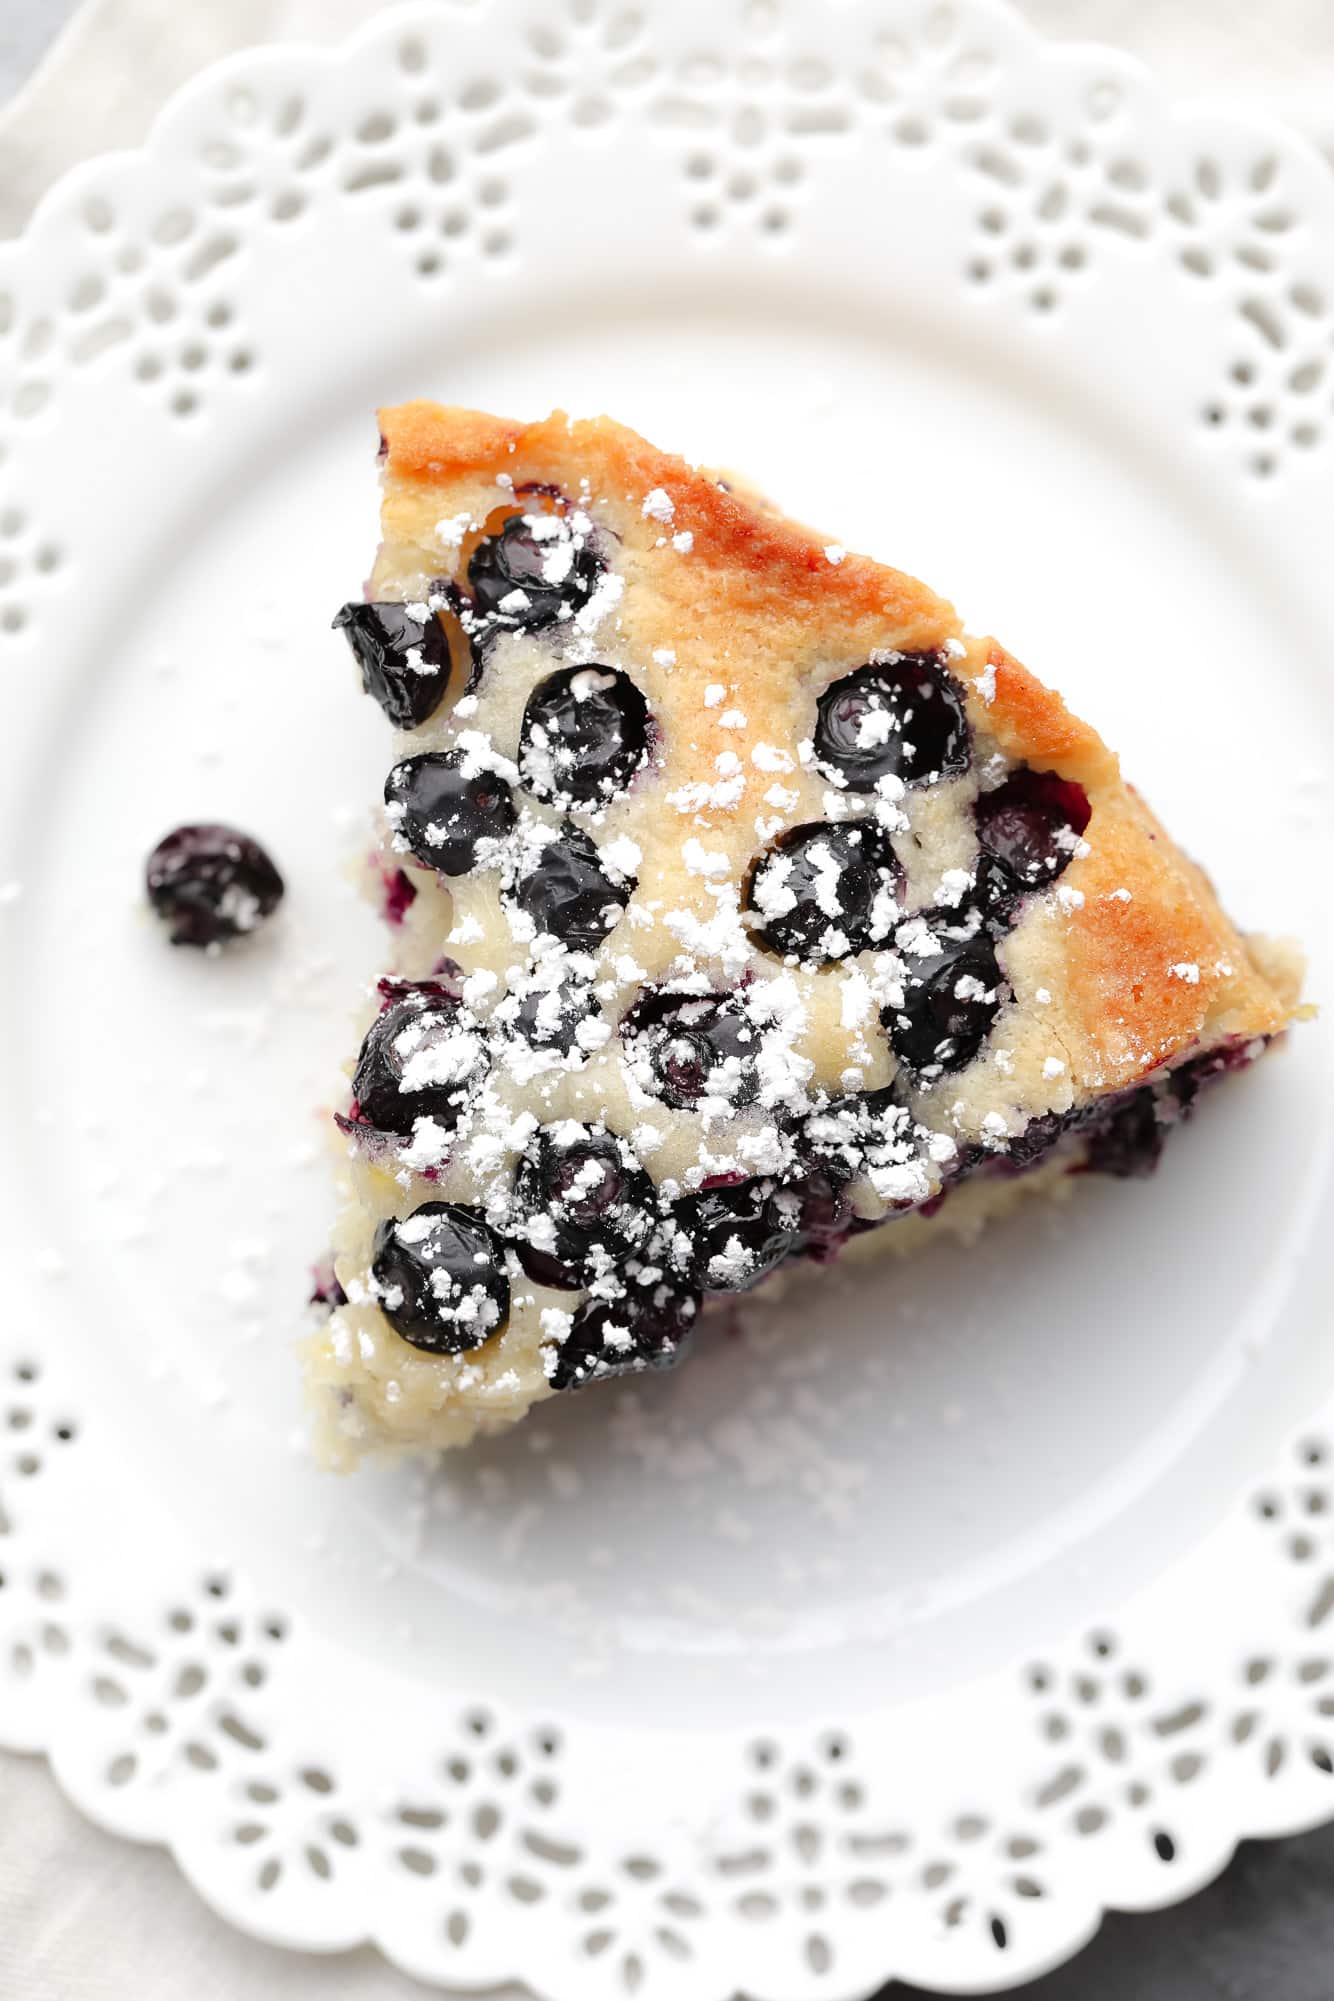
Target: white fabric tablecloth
point(83, 1917)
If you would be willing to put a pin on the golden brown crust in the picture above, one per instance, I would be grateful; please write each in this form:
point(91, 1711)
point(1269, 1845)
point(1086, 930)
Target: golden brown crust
point(756, 560)
point(763, 592)
point(425, 443)
point(1031, 722)
point(1153, 968)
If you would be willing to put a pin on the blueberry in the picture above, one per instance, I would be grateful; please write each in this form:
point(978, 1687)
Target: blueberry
point(569, 894)
point(536, 568)
point(1037, 1139)
point(210, 883)
point(1030, 824)
point(699, 1046)
point(727, 1239)
point(585, 1204)
point(407, 663)
point(548, 1017)
point(951, 998)
point(447, 809)
point(439, 1276)
point(1128, 1143)
point(1127, 1140)
point(870, 1133)
point(823, 891)
point(647, 1329)
point(422, 1058)
point(836, 1142)
point(824, 1214)
point(902, 720)
point(584, 735)
point(995, 895)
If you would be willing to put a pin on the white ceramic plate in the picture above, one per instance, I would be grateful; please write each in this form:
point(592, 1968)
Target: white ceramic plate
point(903, 1633)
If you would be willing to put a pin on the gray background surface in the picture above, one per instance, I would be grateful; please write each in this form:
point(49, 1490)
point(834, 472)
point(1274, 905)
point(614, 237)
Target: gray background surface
point(26, 27)
point(1263, 1932)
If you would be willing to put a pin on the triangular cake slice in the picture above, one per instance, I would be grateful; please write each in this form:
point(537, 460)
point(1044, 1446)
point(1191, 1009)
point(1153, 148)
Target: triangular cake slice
point(743, 907)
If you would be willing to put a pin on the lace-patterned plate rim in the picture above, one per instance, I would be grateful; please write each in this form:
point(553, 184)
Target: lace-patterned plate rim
point(963, 1839)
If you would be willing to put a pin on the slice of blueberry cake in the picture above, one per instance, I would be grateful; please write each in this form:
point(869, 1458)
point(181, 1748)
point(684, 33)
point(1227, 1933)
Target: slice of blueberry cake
point(743, 908)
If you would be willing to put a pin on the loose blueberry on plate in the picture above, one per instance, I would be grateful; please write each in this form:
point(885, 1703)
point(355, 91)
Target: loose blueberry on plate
point(699, 1045)
point(585, 1205)
point(569, 894)
point(950, 1000)
point(422, 1058)
point(407, 662)
point(1030, 825)
point(904, 720)
point(726, 1239)
point(210, 884)
point(439, 1277)
point(536, 567)
point(584, 735)
point(449, 812)
point(649, 1328)
point(823, 891)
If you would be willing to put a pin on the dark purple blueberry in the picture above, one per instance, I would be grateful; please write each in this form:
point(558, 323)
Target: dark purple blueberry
point(904, 719)
point(872, 1134)
point(838, 1140)
point(569, 894)
point(699, 1045)
point(1128, 1143)
point(824, 1214)
point(1037, 1139)
point(995, 893)
point(950, 1000)
point(647, 1329)
point(1127, 1139)
point(727, 1239)
point(439, 1276)
point(1031, 823)
point(444, 985)
point(447, 809)
point(422, 1058)
point(823, 891)
point(584, 735)
point(585, 1205)
point(548, 1017)
point(209, 884)
point(406, 663)
point(537, 568)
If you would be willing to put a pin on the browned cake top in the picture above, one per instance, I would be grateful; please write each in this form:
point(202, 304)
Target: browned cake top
point(1139, 960)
